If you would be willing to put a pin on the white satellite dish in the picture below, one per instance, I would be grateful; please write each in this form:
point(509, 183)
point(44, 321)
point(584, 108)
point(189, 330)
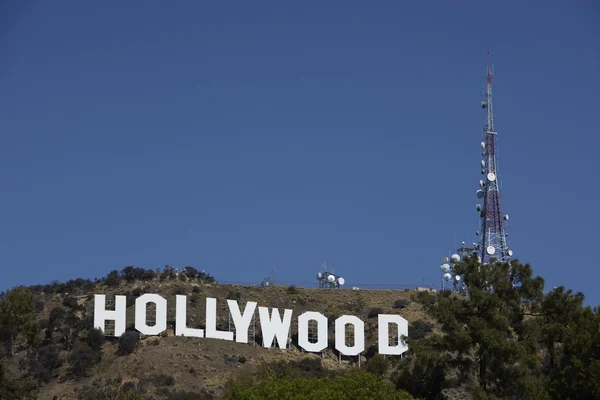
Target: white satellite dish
point(341, 281)
point(457, 277)
point(455, 258)
point(481, 183)
point(482, 163)
point(331, 278)
point(478, 207)
point(491, 177)
point(447, 276)
point(480, 194)
point(483, 145)
point(445, 267)
point(510, 253)
point(319, 275)
point(445, 259)
point(506, 217)
point(490, 250)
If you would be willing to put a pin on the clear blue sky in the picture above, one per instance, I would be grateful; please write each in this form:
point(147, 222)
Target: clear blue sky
point(237, 137)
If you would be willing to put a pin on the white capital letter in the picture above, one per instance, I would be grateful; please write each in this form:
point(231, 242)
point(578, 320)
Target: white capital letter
point(101, 314)
point(321, 329)
point(275, 326)
point(241, 322)
point(211, 322)
point(340, 335)
point(140, 314)
point(180, 319)
point(383, 326)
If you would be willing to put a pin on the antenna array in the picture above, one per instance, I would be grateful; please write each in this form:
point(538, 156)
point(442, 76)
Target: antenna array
point(493, 246)
point(328, 279)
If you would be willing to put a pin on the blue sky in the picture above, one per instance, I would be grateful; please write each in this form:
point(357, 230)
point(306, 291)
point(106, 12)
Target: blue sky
point(237, 137)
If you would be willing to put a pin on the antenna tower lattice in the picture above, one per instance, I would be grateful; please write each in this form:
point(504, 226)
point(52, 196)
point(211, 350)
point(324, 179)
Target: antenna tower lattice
point(493, 245)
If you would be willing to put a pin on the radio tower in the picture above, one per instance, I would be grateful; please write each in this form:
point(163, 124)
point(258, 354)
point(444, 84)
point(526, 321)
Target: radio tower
point(493, 246)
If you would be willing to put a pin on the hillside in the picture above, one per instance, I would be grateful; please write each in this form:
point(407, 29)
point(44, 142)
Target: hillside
point(198, 364)
point(505, 339)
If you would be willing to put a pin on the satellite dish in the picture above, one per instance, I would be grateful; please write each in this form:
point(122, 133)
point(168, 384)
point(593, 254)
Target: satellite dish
point(445, 268)
point(478, 207)
point(506, 217)
point(457, 277)
point(481, 183)
point(341, 281)
point(445, 259)
point(477, 233)
point(491, 177)
point(510, 253)
point(319, 275)
point(480, 194)
point(490, 250)
point(463, 243)
point(482, 171)
point(455, 258)
point(482, 163)
point(331, 278)
point(483, 145)
point(447, 276)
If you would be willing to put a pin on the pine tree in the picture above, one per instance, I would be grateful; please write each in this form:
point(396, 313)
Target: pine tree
point(485, 336)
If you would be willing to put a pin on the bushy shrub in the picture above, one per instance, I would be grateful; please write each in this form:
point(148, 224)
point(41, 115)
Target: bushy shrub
point(419, 329)
point(82, 358)
point(44, 365)
point(426, 297)
point(72, 303)
point(377, 365)
point(401, 303)
point(374, 312)
point(292, 289)
point(355, 385)
point(159, 380)
point(128, 342)
point(95, 338)
point(234, 295)
point(57, 316)
point(113, 278)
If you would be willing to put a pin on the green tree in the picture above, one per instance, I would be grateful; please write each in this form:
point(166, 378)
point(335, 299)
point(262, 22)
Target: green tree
point(18, 318)
point(486, 330)
point(423, 372)
point(577, 375)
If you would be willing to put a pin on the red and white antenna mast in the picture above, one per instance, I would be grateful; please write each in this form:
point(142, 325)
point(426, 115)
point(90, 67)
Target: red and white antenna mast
point(493, 246)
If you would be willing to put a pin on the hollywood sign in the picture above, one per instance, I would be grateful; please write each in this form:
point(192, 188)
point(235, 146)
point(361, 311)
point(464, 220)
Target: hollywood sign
point(272, 325)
